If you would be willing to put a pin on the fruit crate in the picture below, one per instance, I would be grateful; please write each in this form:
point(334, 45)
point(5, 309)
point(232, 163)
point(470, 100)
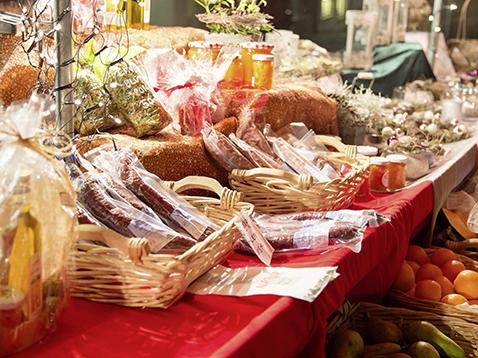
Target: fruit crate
point(356, 316)
point(405, 300)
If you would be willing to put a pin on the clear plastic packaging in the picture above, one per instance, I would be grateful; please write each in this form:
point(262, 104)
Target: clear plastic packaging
point(256, 156)
point(37, 225)
point(326, 231)
point(188, 89)
point(169, 206)
point(120, 210)
point(223, 150)
point(296, 161)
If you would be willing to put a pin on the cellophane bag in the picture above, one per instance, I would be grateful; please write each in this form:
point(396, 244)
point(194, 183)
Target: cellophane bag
point(37, 225)
point(188, 89)
point(104, 199)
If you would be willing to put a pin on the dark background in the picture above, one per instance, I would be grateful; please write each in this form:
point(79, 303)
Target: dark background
point(319, 20)
point(322, 21)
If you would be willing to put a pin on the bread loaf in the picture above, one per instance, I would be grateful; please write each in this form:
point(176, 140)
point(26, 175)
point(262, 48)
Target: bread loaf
point(283, 105)
point(170, 156)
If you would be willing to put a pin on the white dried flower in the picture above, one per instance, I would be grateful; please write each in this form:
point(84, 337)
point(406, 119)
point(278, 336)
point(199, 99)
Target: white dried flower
point(432, 129)
point(406, 140)
point(388, 132)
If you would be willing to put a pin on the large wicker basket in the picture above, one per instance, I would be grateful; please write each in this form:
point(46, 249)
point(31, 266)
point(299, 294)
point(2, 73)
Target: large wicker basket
point(126, 273)
point(355, 316)
point(275, 191)
point(443, 309)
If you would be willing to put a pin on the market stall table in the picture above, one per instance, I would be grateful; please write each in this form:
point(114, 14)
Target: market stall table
point(248, 326)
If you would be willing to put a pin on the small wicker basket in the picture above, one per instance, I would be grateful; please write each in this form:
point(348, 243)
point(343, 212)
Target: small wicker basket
point(443, 309)
point(355, 316)
point(126, 273)
point(275, 191)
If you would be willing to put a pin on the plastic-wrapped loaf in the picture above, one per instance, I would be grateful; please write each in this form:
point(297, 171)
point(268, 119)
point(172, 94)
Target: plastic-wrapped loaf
point(92, 112)
point(37, 225)
point(135, 100)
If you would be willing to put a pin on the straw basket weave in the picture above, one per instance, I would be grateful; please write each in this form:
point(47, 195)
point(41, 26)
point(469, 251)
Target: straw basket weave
point(443, 309)
point(275, 191)
point(126, 273)
point(355, 317)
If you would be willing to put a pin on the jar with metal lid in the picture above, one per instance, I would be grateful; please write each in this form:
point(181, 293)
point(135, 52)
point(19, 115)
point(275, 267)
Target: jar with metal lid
point(377, 171)
point(249, 49)
point(204, 50)
point(262, 71)
point(395, 177)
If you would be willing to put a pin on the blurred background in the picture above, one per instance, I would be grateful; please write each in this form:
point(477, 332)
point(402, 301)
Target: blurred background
point(322, 21)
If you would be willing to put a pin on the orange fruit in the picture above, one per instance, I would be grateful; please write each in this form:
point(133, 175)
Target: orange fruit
point(428, 290)
point(442, 256)
point(466, 284)
point(428, 272)
point(414, 266)
point(446, 286)
point(454, 299)
point(412, 291)
point(405, 279)
point(452, 268)
point(417, 254)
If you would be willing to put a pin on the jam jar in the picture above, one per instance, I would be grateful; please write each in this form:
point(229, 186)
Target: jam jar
point(377, 171)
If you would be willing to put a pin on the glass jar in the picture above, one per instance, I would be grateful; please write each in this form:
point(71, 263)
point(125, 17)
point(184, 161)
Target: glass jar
point(262, 71)
point(234, 77)
point(377, 170)
point(204, 51)
point(248, 50)
point(395, 177)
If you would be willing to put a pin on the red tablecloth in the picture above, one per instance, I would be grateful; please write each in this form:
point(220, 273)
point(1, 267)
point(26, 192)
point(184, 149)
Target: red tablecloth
point(263, 325)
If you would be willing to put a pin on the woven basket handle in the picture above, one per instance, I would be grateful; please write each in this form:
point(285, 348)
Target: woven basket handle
point(350, 151)
point(229, 198)
point(462, 245)
point(302, 181)
point(135, 248)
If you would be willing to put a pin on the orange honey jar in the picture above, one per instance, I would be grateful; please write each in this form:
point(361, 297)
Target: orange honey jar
point(234, 77)
point(377, 171)
point(396, 176)
point(262, 71)
point(248, 50)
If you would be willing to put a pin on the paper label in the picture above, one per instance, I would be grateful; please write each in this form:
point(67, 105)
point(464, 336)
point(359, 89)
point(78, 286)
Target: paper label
point(252, 234)
point(301, 283)
point(313, 235)
point(357, 217)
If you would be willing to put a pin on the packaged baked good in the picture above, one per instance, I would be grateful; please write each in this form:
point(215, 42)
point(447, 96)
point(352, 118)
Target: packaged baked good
point(34, 242)
point(255, 155)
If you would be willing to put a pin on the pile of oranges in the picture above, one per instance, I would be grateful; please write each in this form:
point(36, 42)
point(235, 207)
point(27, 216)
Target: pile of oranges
point(439, 277)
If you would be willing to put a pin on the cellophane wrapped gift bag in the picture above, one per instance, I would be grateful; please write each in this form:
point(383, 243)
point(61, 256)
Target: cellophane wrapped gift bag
point(37, 225)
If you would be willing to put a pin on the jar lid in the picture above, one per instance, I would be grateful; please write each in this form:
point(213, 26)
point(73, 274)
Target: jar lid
point(260, 57)
point(257, 45)
point(397, 158)
point(378, 160)
point(205, 44)
point(367, 150)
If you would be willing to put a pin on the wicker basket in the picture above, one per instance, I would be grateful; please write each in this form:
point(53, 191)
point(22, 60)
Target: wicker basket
point(275, 191)
point(443, 309)
point(126, 273)
point(355, 316)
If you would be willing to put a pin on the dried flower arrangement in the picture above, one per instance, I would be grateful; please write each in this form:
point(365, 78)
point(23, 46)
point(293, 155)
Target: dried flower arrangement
point(243, 17)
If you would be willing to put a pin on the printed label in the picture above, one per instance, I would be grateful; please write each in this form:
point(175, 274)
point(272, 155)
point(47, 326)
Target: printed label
point(252, 234)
